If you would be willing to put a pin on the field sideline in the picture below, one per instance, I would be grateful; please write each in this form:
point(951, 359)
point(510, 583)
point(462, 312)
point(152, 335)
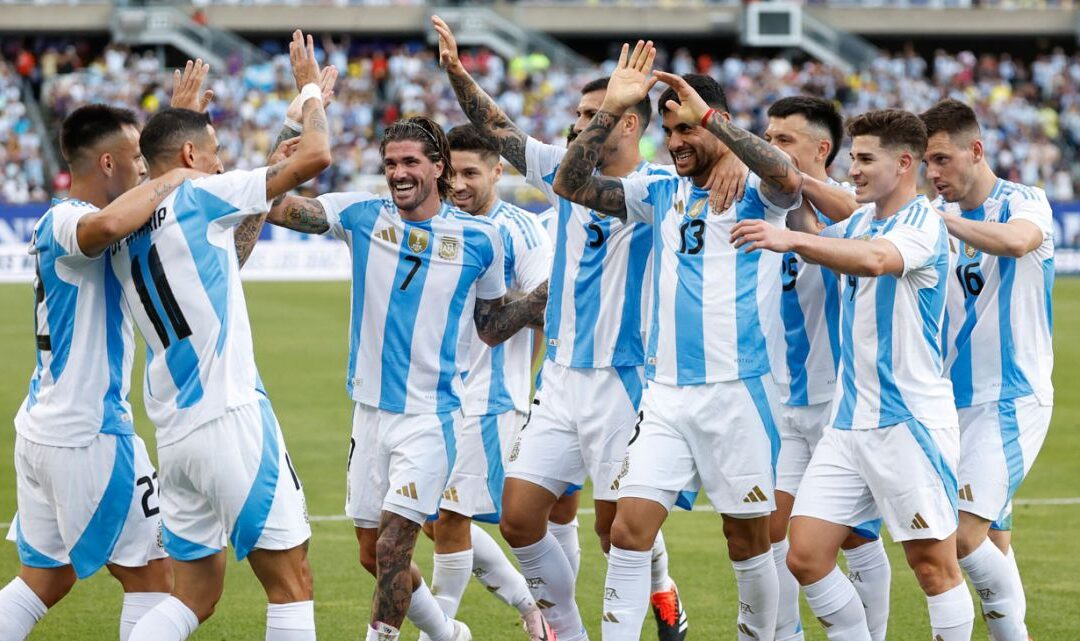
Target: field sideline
point(301, 348)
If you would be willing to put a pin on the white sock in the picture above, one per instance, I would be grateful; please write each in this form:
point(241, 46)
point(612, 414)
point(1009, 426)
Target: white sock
point(496, 573)
point(20, 610)
point(1011, 557)
point(137, 604)
point(567, 535)
point(382, 632)
point(425, 614)
point(450, 578)
point(659, 569)
point(836, 605)
point(788, 624)
point(626, 594)
point(169, 620)
point(871, 574)
point(952, 614)
point(551, 582)
point(290, 621)
point(991, 574)
point(759, 593)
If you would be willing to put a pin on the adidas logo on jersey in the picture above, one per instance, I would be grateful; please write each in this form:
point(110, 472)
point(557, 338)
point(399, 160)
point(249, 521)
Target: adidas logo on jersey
point(450, 494)
point(965, 493)
point(389, 235)
point(755, 496)
point(919, 523)
point(407, 490)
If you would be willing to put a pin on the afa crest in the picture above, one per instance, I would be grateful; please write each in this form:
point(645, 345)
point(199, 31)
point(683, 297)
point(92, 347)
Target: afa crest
point(448, 248)
point(970, 251)
point(418, 240)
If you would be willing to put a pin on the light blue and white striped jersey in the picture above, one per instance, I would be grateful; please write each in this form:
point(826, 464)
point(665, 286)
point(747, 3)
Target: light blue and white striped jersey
point(891, 366)
point(84, 339)
point(498, 380)
point(713, 305)
point(594, 309)
point(999, 319)
point(547, 221)
point(810, 309)
point(414, 285)
point(181, 282)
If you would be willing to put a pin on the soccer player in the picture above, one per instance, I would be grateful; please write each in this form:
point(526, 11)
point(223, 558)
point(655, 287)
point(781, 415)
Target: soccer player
point(706, 420)
point(809, 130)
point(999, 352)
point(586, 406)
point(225, 473)
point(85, 487)
point(892, 397)
point(496, 402)
point(422, 270)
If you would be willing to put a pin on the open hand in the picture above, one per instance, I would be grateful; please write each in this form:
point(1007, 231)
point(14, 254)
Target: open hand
point(327, 78)
point(187, 87)
point(632, 78)
point(448, 49)
point(283, 151)
point(691, 107)
point(305, 67)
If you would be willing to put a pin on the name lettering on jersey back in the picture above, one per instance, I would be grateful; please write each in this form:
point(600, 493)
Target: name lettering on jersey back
point(157, 219)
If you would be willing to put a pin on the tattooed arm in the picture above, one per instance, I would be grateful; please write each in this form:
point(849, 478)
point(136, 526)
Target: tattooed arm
point(498, 320)
point(481, 109)
point(576, 179)
point(246, 234)
point(304, 215)
point(781, 182)
point(95, 232)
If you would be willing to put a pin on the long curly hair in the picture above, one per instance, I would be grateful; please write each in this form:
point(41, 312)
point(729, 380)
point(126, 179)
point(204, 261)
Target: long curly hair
point(428, 133)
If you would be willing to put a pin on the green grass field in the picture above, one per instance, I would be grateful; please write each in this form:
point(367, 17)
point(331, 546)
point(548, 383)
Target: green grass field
point(301, 349)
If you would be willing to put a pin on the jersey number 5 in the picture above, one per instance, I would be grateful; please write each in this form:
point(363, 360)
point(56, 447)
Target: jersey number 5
point(163, 291)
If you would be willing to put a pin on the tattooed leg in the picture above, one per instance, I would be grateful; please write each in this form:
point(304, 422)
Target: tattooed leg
point(395, 580)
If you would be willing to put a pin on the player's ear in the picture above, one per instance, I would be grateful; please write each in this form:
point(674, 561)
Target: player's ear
point(905, 161)
point(977, 151)
point(823, 149)
point(187, 154)
point(498, 169)
point(105, 162)
point(440, 167)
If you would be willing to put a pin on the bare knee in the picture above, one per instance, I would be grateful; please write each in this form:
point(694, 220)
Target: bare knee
point(49, 584)
point(628, 535)
point(807, 565)
point(519, 529)
point(970, 534)
point(284, 574)
point(934, 564)
point(155, 576)
point(746, 538)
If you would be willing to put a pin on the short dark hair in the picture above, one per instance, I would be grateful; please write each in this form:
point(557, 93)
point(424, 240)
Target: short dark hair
point(708, 88)
point(170, 128)
point(817, 111)
point(88, 125)
point(895, 128)
point(428, 133)
point(643, 107)
point(952, 117)
point(469, 138)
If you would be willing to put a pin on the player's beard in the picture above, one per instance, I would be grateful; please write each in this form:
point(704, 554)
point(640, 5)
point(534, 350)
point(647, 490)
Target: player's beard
point(419, 194)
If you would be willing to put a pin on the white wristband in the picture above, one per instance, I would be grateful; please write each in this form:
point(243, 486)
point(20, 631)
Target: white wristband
point(310, 90)
point(295, 126)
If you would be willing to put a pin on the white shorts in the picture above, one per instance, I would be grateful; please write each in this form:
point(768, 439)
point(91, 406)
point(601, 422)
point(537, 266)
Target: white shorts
point(231, 481)
point(86, 506)
point(718, 437)
point(800, 428)
point(902, 474)
point(398, 463)
point(581, 421)
point(476, 482)
point(998, 443)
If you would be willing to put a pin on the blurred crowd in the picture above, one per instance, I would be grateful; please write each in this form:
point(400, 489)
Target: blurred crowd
point(1030, 110)
point(23, 171)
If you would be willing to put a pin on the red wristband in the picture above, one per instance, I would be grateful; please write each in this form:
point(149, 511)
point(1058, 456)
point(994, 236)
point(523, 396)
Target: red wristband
point(708, 115)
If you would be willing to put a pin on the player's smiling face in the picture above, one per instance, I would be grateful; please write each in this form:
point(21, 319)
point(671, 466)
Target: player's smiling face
point(951, 165)
point(410, 174)
point(875, 170)
point(473, 187)
point(693, 148)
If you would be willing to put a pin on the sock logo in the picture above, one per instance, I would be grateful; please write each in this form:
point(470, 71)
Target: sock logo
point(919, 523)
point(745, 629)
point(993, 615)
point(610, 618)
point(535, 582)
point(986, 593)
point(854, 577)
point(825, 624)
point(745, 608)
point(610, 594)
point(544, 604)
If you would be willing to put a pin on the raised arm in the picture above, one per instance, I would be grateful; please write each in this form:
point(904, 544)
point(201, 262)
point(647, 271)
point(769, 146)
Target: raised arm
point(1014, 239)
point(480, 108)
point(781, 182)
point(305, 215)
point(576, 179)
point(498, 320)
point(97, 231)
point(247, 232)
point(312, 153)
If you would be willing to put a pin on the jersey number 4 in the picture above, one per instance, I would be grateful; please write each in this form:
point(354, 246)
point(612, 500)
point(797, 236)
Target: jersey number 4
point(164, 293)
